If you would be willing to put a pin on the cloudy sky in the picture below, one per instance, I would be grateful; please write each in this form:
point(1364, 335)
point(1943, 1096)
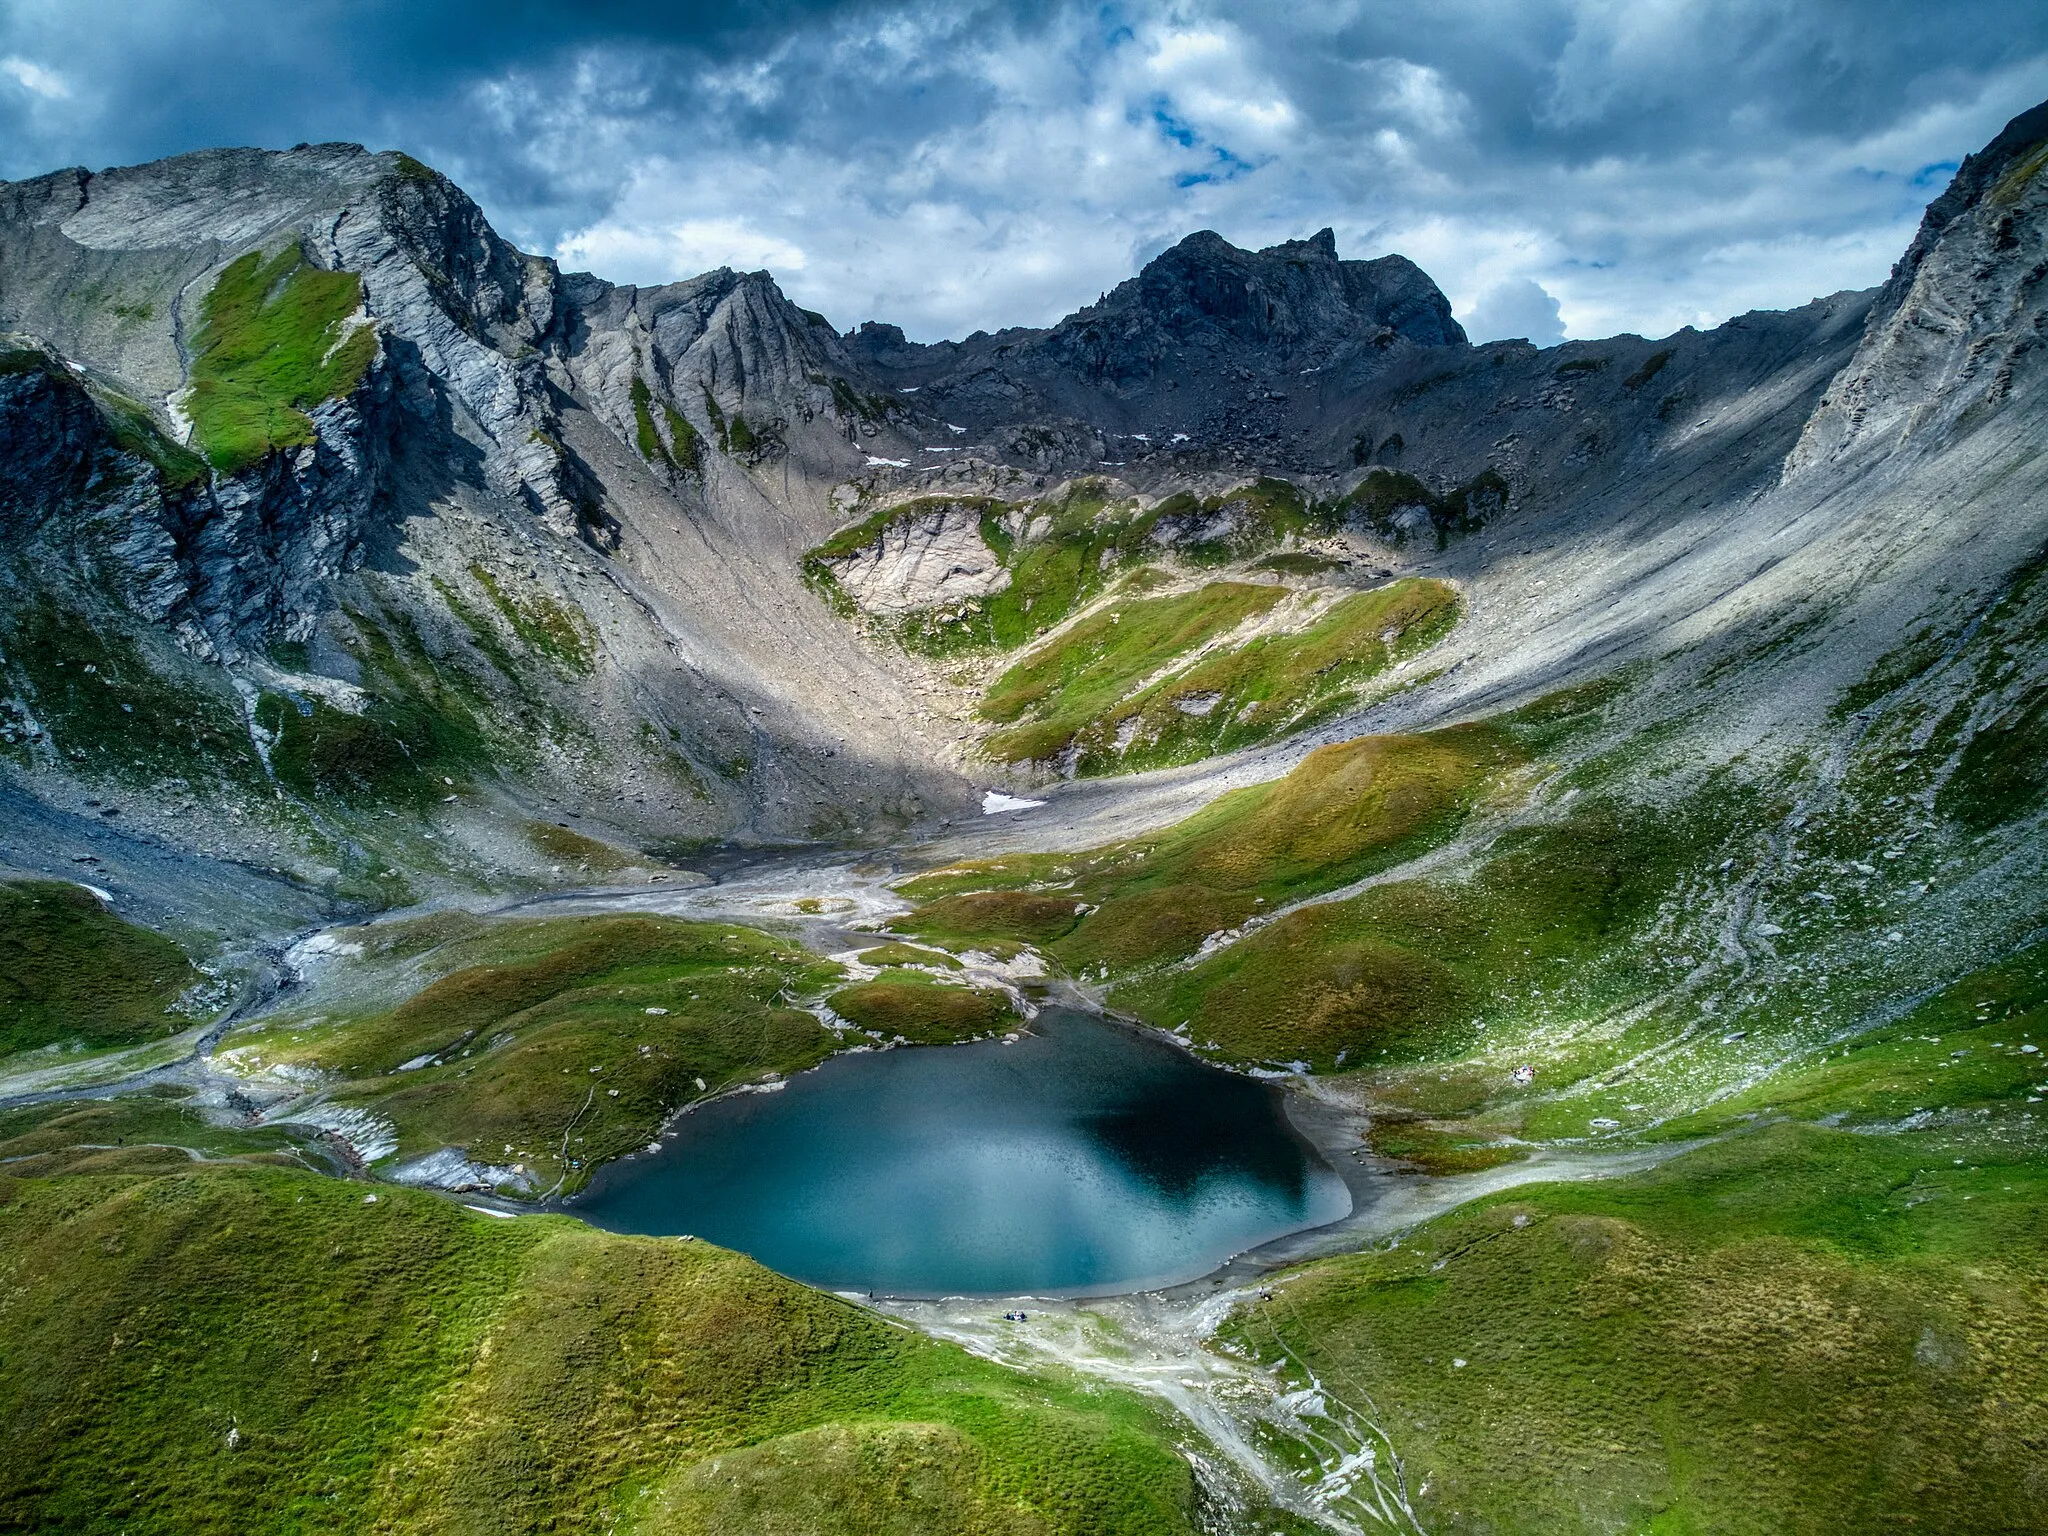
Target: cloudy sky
point(1561, 167)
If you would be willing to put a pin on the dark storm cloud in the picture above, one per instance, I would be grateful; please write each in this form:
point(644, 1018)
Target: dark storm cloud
point(1639, 164)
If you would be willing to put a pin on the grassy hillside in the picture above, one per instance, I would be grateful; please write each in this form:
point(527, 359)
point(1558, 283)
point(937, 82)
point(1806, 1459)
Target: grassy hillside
point(1800, 1329)
point(1348, 811)
point(545, 1047)
point(229, 1347)
point(70, 970)
point(1145, 683)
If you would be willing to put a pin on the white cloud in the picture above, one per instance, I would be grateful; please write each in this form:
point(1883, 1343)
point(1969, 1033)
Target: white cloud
point(1644, 163)
point(34, 78)
point(1518, 307)
point(687, 247)
point(953, 176)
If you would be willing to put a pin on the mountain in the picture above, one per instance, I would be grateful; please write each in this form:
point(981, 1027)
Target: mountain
point(1605, 782)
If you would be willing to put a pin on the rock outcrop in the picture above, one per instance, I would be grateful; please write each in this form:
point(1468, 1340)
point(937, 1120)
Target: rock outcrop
point(1962, 323)
point(924, 561)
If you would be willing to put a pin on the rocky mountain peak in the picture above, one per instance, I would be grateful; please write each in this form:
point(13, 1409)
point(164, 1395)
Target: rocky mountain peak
point(1206, 292)
point(1957, 329)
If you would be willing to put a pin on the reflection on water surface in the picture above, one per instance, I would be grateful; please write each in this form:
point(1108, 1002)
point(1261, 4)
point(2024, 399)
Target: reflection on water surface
point(1083, 1157)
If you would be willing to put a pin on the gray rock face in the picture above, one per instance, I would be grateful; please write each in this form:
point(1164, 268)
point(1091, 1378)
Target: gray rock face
point(934, 558)
point(1961, 325)
point(227, 566)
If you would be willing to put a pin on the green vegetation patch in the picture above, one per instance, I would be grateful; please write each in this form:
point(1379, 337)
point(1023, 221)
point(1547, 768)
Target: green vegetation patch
point(1083, 675)
point(572, 847)
point(1024, 916)
point(562, 1044)
point(114, 710)
point(427, 724)
point(1396, 506)
point(232, 1349)
point(1651, 367)
point(840, 1480)
point(1961, 1054)
point(1088, 695)
point(273, 339)
point(925, 1011)
point(1404, 970)
point(128, 425)
point(908, 954)
point(1346, 811)
point(1439, 1147)
point(550, 626)
point(1294, 562)
point(71, 970)
point(1064, 550)
point(1796, 1330)
point(152, 1131)
point(652, 448)
point(686, 443)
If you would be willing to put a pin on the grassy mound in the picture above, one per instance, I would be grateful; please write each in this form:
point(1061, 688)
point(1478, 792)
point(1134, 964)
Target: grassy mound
point(272, 339)
point(1797, 1330)
point(908, 954)
point(1347, 811)
point(554, 1046)
point(841, 1480)
point(1089, 696)
point(924, 1011)
point(232, 1348)
point(71, 970)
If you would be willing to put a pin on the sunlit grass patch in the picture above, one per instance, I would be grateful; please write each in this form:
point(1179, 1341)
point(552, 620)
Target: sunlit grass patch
point(923, 1010)
point(272, 339)
point(1019, 915)
point(1795, 1329)
point(1346, 811)
point(1439, 1147)
point(1095, 695)
point(1092, 666)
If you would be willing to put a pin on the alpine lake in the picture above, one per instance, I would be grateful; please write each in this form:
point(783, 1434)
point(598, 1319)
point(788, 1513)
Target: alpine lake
point(1079, 1158)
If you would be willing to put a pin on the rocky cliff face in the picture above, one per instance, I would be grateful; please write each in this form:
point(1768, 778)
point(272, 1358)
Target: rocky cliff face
point(1960, 326)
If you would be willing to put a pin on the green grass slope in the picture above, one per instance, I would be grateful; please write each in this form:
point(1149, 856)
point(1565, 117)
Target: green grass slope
point(551, 1046)
point(1799, 1330)
point(1346, 812)
point(272, 340)
point(70, 970)
point(230, 1348)
point(1125, 689)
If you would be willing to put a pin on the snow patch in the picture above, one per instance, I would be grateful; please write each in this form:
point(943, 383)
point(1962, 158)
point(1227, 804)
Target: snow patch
point(995, 803)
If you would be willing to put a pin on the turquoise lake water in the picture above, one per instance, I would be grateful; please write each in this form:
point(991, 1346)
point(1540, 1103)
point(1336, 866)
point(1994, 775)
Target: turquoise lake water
point(1084, 1157)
